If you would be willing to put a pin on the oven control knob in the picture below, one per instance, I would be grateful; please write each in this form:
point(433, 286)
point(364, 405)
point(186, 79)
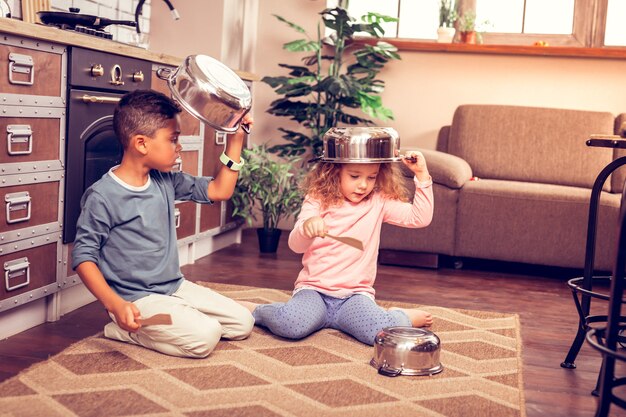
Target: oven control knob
point(138, 77)
point(97, 70)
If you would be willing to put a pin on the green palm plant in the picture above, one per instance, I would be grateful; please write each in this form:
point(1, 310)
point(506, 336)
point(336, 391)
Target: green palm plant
point(320, 93)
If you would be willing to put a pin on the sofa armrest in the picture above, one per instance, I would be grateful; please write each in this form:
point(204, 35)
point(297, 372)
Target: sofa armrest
point(446, 169)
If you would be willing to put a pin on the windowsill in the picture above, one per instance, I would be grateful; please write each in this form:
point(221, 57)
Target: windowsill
point(556, 51)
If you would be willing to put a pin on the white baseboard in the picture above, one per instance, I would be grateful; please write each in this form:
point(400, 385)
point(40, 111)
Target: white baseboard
point(22, 318)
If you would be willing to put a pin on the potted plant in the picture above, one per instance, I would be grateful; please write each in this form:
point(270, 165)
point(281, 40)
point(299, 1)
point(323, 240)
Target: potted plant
point(447, 17)
point(338, 76)
point(469, 29)
point(269, 185)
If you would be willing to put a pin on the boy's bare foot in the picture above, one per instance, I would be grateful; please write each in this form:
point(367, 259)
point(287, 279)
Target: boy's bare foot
point(248, 304)
point(419, 318)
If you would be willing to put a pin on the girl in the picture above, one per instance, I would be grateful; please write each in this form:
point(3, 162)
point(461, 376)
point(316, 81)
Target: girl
point(335, 287)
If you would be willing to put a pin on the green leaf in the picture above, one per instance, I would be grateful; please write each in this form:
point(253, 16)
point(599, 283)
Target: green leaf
point(301, 45)
point(292, 25)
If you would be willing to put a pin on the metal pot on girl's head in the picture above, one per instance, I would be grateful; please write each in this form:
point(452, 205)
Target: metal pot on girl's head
point(361, 145)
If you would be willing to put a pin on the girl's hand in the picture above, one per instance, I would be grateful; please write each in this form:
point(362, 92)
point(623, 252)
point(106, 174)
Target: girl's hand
point(417, 164)
point(126, 316)
point(314, 227)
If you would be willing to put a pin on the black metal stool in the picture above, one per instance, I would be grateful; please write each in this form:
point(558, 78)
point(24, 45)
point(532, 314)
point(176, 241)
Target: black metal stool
point(582, 287)
point(606, 337)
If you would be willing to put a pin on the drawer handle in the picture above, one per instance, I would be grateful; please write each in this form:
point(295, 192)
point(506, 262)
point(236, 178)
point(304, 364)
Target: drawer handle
point(86, 98)
point(18, 202)
point(220, 138)
point(177, 217)
point(21, 64)
point(15, 269)
point(178, 165)
point(19, 134)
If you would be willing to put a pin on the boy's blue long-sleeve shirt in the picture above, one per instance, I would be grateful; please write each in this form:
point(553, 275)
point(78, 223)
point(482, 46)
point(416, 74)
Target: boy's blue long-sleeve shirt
point(130, 232)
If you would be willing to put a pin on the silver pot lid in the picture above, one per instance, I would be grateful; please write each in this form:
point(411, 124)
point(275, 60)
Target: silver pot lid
point(214, 77)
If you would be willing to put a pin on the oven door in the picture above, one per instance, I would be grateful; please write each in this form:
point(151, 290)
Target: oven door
point(92, 148)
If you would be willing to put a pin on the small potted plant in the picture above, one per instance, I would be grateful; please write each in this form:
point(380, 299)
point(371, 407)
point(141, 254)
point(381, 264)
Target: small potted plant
point(270, 185)
point(469, 29)
point(447, 17)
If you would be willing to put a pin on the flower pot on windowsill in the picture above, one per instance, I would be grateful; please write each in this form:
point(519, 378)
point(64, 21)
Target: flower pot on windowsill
point(445, 34)
point(268, 239)
point(468, 37)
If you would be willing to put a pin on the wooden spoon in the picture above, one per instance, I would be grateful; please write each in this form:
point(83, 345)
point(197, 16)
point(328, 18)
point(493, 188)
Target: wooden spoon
point(350, 241)
point(156, 319)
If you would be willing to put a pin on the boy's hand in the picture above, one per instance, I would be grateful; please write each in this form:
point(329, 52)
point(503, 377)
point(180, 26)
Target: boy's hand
point(247, 121)
point(314, 227)
point(126, 316)
point(417, 164)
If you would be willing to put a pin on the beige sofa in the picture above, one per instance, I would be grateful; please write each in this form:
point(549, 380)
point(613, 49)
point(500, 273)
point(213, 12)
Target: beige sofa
point(513, 184)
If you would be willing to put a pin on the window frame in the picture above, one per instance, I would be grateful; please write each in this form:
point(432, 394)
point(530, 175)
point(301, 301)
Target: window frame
point(587, 31)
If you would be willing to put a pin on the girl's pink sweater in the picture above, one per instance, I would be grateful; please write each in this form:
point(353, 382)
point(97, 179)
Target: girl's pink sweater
point(339, 270)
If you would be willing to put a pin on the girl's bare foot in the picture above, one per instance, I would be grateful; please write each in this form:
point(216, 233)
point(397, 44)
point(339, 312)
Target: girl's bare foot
point(419, 318)
point(248, 304)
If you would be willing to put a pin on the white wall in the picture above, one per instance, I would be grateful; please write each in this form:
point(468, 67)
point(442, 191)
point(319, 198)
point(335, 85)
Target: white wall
point(423, 89)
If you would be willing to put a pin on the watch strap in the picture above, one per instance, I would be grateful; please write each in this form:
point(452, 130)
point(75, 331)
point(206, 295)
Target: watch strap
point(235, 166)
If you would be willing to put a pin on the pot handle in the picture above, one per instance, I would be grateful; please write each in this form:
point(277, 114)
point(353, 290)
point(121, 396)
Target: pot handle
point(160, 71)
point(245, 127)
point(387, 371)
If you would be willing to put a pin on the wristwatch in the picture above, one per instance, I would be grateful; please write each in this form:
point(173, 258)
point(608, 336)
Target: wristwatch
point(235, 166)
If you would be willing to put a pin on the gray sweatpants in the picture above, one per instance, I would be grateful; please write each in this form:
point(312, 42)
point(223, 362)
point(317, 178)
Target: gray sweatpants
point(309, 311)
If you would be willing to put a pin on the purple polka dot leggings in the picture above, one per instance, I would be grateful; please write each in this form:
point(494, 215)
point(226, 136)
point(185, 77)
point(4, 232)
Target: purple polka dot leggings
point(309, 311)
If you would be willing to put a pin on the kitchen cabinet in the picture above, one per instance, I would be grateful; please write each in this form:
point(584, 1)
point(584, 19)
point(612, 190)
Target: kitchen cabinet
point(32, 119)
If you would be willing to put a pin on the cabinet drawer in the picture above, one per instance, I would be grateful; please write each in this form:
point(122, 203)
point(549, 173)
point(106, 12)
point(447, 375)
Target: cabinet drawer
point(31, 205)
point(29, 269)
point(186, 219)
point(32, 72)
point(32, 139)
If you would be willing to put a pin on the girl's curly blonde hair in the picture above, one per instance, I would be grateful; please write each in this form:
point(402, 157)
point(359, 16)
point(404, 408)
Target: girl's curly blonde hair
point(323, 183)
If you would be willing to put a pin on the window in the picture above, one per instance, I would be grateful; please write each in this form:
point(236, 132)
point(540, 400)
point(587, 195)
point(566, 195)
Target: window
point(587, 23)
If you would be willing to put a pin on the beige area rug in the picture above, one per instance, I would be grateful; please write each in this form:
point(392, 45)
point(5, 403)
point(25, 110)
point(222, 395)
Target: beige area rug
point(326, 374)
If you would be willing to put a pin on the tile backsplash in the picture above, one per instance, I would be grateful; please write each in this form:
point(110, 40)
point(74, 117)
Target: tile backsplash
point(111, 9)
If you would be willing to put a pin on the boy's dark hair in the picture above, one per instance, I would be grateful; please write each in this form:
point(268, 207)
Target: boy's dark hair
point(142, 112)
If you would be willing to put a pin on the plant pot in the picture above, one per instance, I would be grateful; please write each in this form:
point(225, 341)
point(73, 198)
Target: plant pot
point(268, 239)
point(468, 37)
point(445, 34)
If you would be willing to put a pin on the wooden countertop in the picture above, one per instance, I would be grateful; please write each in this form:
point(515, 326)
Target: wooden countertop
point(66, 37)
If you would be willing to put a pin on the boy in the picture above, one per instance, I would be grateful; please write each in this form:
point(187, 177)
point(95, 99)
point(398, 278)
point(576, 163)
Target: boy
point(125, 249)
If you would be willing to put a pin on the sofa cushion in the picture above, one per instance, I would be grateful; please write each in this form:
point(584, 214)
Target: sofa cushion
point(531, 144)
point(438, 237)
point(533, 223)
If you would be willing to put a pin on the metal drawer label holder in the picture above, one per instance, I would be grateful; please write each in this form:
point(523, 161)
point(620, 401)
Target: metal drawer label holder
point(177, 217)
point(15, 269)
point(178, 165)
point(19, 134)
point(18, 202)
point(22, 64)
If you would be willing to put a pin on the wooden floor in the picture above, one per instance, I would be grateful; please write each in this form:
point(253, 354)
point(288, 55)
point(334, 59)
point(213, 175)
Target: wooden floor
point(539, 295)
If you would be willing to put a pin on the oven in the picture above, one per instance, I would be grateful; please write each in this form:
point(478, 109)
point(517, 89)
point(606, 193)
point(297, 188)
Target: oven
point(96, 82)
